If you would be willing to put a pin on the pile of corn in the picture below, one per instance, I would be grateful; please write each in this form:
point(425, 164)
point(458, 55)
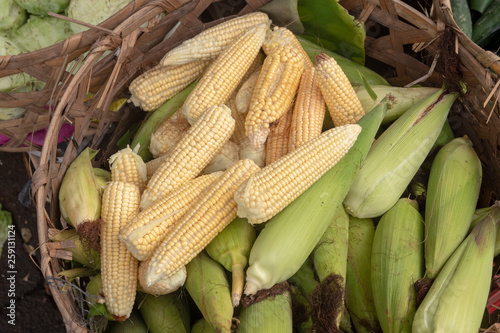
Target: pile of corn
point(247, 178)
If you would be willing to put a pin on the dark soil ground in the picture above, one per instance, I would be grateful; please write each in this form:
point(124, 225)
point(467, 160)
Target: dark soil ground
point(35, 310)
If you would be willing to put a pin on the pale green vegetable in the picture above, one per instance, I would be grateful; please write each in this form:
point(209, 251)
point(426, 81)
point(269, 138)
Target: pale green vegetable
point(93, 12)
point(11, 15)
point(42, 8)
point(40, 32)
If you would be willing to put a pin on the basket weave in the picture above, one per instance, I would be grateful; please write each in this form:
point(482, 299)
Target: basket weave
point(406, 41)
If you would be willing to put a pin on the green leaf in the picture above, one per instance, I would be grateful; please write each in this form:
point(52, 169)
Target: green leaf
point(284, 14)
point(367, 86)
point(5, 226)
point(329, 24)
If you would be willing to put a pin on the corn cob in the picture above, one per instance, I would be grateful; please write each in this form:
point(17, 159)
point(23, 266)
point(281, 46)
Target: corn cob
point(277, 140)
point(79, 193)
point(478, 216)
point(359, 293)
point(353, 70)
point(302, 323)
point(166, 313)
point(330, 262)
point(231, 248)
point(340, 98)
point(126, 166)
point(396, 156)
point(168, 133)
point(195, 150)
point(456, 302)
point(275, 89)
point(396, 264)
point(207, 285)
point(142, 137)
point(157, 85)
point(280, 35)
point(80, 252)
point(452, 194)
point(273, 314)
point(227, 156)
point(146, 231)
point(308, 112)
point(303, 284)
point(162, 287)
point(154, 164)
point(272, 188)
point(289, 237)
point(239, 120)
point(120, 203)
point(218, 83)
point(214, 210)
point(211, 42)
point(400, 100)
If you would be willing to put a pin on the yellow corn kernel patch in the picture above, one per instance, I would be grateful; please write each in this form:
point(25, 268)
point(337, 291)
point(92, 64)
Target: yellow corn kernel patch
point(277, 141)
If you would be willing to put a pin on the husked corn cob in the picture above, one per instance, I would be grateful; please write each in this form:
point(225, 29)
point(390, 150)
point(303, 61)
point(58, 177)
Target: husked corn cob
point(215, 209)
point(209, 43)
point(128, 167)
point(452, 194)
point(152, 88)
point(244, 94)
point(272, 188)
point(288, 238)
point(275, 90)
point(239, 122)
point(281, 35)
point(340, 97)
point(166, 136)
point(154, 164)
point(164, 286)
point(279, 133)
point(227, 156)
point(166, 313)
point(146, 230)
point(459, 294)
point(308, 112)
point(396, 264)
point(120, 203)
point(191, 154)
point(225, 73)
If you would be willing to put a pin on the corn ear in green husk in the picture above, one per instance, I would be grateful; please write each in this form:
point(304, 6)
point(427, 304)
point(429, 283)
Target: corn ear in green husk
point(133, 324)
point(330, 262)
point(272, 314)
point(359, 295)
point(400, 99)
point(452, 194)
point(397, 262)
point(457, 298)
point(201, 326)
point(396, 155)
point(71, 241)
point(301, 309)
point(231, 248)
point(80, 193)
point(479, 215)
point(95, 299)
point(290, 236)
point(207, 285)
point(166, 313)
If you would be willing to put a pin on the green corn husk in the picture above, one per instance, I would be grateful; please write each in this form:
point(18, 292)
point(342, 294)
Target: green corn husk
point(400, 99)
point(231, 248)
point(304, 279)
point(458, 296)
point(289, 237)
point(301, 311)
point(479, 215)
point(103, 177)
point(397, 262)
point(330, 260)
point(166, 313)
point(95, 298)
point(359, 293)
point(133, 324)
point(207, 285)
point(452, 194)
point(201, 326)
point(273, 314)
point(79, 251)
point(80, 193)
point(143, 135)
point(352, 70)
point(396, 155)
point(445, 136)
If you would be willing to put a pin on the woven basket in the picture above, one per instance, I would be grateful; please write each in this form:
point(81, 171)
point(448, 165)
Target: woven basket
point(401, 40)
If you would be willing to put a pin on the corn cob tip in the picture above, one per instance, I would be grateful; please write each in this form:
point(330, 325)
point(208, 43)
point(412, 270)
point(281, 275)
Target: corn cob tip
point(258, 138)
